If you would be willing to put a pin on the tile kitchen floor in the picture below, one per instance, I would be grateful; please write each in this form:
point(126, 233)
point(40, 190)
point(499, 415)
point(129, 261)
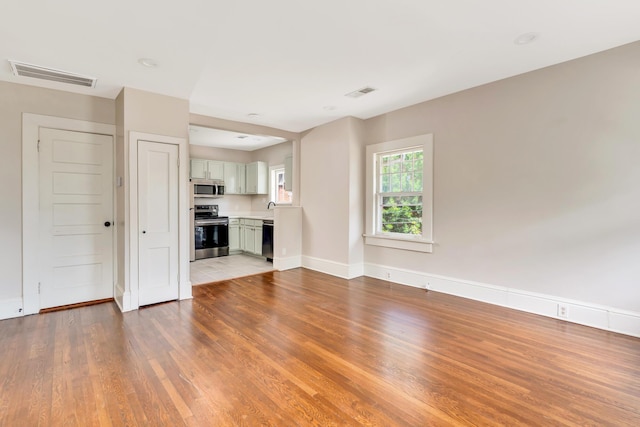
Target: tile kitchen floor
point(227, 267)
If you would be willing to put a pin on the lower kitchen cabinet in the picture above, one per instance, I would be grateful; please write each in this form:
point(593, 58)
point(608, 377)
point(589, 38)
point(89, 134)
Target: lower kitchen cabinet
point(251, 236)
point(249, 244)
point(235, 238)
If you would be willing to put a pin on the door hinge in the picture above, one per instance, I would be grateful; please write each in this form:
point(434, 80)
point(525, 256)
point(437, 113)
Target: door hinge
point(38, 146)
point(178, 161)
point(39, 285)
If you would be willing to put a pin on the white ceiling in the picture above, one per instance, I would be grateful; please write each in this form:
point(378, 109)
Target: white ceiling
point(292, 61)
point(208, 137)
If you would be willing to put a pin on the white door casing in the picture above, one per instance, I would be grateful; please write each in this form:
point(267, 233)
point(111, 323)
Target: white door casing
point(31, 125)
point(158, 259)
point(76, 204)
point(126, 293)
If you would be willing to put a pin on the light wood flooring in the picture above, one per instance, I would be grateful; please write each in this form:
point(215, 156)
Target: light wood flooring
point(300, 348)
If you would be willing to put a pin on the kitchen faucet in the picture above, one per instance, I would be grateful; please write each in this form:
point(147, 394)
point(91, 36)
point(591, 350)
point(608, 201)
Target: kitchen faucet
point(269, 205)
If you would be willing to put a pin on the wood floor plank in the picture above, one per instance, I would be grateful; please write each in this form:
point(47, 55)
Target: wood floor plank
point(300, 348)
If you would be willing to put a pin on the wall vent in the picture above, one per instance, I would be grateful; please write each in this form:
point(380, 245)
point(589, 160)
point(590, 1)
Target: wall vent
point(360, 92)
point(34, 71)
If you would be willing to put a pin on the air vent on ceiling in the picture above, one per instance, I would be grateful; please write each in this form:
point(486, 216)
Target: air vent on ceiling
point(360, 92)
point(43, 73)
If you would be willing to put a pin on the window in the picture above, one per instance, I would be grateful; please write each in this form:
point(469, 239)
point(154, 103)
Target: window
point(399, 199)
point(277, 191)
point(399, 192)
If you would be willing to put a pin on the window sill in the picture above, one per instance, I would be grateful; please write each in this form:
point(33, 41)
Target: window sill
point(408, 244)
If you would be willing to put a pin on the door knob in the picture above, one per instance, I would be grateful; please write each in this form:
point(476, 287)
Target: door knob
point(107, 224)
point(144, 231)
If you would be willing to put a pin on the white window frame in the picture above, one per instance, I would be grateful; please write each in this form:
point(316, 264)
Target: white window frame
point(413, 242)
point(273, 185)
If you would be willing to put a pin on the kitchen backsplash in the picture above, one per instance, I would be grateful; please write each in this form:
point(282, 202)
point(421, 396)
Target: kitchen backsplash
point(232, 203)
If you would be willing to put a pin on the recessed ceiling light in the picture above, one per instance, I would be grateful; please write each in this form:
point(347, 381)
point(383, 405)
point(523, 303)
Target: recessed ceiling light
point(526, 38)
point(147, 62)
point(253, 115)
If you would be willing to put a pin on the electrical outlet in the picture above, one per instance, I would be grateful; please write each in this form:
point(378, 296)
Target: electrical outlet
point(563, 311)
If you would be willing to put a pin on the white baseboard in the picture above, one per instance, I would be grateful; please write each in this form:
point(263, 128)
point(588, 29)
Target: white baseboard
point(601, 317)
point(356, 270)
point(287, 263)
point(185, 290)
point(123, 299)
point(11, 307)
point(338, 269)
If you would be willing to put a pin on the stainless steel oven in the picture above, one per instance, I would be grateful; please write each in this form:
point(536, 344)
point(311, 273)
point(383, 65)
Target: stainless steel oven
point(211, 232)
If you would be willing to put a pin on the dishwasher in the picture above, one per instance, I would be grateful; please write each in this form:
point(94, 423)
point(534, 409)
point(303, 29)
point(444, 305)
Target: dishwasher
point(267, 239)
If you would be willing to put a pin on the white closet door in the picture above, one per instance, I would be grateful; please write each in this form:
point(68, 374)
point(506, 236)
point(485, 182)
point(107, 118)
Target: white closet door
point(157, 222)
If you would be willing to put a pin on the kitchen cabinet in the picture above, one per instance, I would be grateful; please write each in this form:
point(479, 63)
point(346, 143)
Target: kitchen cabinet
point(234, 178)
point(207, 169)
point(288, 173)
point(257, 178)
point(249, 242)
point(234, 235)
point(257, 239)
point(251, 230)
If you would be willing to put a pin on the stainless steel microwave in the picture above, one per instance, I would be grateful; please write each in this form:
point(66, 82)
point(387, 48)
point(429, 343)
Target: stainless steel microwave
point(207, 188)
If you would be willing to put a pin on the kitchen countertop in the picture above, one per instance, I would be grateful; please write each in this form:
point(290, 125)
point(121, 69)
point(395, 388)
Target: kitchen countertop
point(250, 216)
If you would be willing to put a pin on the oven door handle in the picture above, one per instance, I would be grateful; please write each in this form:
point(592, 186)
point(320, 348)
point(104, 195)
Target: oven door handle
point(212, 222)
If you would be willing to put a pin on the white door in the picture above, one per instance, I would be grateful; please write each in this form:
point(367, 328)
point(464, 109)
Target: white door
point(157, 222)
point(76, 213)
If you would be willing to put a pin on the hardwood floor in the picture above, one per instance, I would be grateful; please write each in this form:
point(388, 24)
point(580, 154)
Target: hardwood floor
point(301, 348)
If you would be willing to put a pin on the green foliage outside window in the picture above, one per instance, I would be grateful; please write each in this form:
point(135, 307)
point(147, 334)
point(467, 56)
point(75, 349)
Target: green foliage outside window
point(400, 190)
point(402, 214)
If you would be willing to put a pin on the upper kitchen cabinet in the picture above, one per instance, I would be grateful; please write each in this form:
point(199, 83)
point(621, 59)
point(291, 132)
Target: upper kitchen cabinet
point(257, 175)
point(234, 178)
point(207, 169)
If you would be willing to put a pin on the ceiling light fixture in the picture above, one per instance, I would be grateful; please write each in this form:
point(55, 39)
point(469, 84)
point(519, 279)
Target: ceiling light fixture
point(526, 38)
point(253, 115)
point(147, 62)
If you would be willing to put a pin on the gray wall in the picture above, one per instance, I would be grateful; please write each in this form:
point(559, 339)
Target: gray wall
point(332, 185)
point(18, 99)
point(536, 181)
